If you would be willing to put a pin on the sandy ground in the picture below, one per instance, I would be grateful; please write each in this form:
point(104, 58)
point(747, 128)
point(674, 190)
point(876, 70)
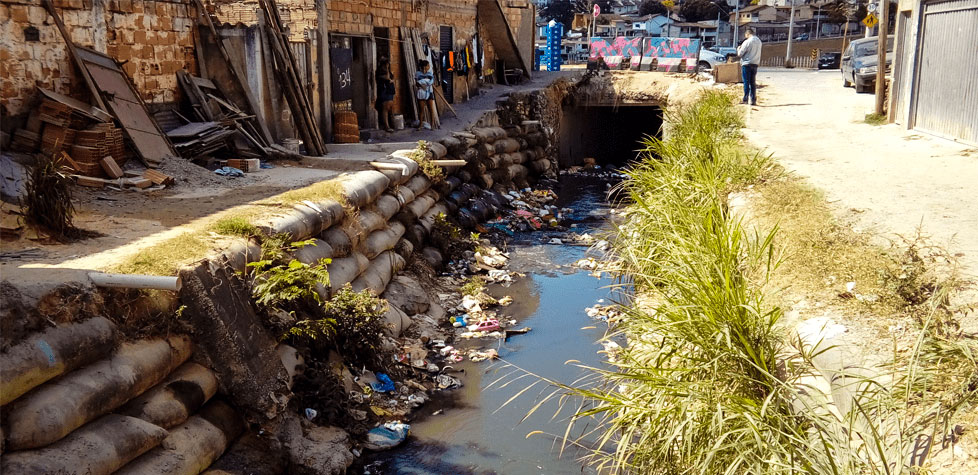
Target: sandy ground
point(895, 180)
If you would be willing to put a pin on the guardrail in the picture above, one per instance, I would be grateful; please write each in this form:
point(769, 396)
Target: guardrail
point(796, 62)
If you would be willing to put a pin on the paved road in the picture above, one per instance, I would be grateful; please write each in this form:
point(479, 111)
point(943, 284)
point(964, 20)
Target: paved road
point(899, 180)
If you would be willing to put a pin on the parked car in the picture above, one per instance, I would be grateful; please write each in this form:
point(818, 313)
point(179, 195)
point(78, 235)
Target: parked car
point(727, 51)
point(709, 59)
point(859, 63)
point(802, 37)
point(829, 60)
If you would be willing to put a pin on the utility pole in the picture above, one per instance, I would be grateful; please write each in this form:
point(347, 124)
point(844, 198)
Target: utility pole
point(881, 58)
point(818, 19)
point(791, 33)
point(736, 37)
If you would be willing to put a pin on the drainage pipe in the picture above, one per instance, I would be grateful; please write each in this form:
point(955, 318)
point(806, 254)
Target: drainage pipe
point(135, 281)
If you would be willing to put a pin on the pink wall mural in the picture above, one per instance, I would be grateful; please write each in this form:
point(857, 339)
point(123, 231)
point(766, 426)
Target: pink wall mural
point(666, 53)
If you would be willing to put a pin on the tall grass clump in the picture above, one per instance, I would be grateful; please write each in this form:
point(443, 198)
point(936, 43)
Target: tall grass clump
point(709, 381)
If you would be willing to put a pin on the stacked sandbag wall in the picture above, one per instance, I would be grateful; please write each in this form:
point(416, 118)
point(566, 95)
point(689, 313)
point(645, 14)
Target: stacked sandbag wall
point(77, 399)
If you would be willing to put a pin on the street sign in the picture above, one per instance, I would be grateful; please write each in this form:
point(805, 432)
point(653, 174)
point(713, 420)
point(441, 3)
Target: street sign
point(871, 20)
point(871, 7)
point(597, 10)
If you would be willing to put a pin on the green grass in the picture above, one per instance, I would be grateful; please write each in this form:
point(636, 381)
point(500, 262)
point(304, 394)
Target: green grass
point(236, 226)
point(875, 119)
point(709, 380)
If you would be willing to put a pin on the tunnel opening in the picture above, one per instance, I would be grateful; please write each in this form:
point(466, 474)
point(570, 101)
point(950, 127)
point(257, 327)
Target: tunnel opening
point(611, 134)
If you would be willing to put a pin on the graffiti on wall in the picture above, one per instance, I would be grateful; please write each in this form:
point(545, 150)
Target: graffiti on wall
point(667, 54)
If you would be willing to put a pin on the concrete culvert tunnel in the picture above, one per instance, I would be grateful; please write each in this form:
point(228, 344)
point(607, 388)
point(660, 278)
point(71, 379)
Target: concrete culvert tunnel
point(611, 134)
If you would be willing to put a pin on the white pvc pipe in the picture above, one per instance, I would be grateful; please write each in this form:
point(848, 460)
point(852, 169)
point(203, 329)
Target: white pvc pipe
point(135, 281)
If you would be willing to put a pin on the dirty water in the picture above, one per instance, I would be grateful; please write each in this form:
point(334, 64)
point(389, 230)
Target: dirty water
point(469, 430)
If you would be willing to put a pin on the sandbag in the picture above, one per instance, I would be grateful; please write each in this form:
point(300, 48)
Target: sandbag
point(383, 239)
point(404, 195)
point(477, 167)
point(312, 253)
point(518, 157)
point(438, 151)
point(484, 181)
point(416, 234)
point(55, 409)
point(540, 166)
point(405, 293)
point(53, 352)
point(519, 172)
point(344, 270)
point(507, 145)
point(416, 208)
point(428, 220)
point(493, 162)
point(512, 131)
point(464, 175)
point(404, 248)
point(397, 321)
point(306, 219)
point(484, 134)
point(338, 240)
point(193, 446)
point(454, 145)
point(433, 257)
point(380, 272)
point(419, 184)
point(171, 402)
point(387, 205)
point(469, 155)
point(447, 185)
point(362, 188)
point(241, 252)
point(99, 448)
point(485, 150)
point(502, 175)
point(370, 221)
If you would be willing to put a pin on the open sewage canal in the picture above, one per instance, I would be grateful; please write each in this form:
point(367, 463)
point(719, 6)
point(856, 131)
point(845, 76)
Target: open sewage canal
point(473, 430)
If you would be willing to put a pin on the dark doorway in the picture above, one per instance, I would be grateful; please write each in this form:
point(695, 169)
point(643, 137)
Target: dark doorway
point(446, 43)
point(612, 135)
point(360, 78)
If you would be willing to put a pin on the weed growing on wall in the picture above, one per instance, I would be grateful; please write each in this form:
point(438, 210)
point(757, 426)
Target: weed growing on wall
point(422, 155)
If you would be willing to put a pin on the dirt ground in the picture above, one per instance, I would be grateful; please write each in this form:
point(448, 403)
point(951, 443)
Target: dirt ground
point(896, 181)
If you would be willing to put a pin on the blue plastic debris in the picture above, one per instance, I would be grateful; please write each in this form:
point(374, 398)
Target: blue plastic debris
point(384, 384)
point(265, 165)
point(387, 436)
point(229, 172)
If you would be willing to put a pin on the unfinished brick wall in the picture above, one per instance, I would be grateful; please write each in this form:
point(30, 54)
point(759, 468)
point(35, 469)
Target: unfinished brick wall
point(154, 38)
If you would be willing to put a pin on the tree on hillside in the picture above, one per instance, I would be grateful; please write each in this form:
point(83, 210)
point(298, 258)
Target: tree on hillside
point(699, 10)
point(652, 7)
point(564, 10)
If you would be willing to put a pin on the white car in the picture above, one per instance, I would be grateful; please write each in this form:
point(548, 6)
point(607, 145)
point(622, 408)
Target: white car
point(708, 59)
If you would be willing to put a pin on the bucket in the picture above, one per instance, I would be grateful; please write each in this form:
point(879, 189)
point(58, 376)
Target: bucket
point(291, 145)
point(398, 122)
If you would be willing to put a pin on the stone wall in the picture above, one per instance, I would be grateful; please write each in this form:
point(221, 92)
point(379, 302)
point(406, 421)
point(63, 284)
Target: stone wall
point(154, 39)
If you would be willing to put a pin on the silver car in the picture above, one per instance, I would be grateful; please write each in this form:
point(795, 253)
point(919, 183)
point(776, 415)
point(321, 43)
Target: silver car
point(859, 63)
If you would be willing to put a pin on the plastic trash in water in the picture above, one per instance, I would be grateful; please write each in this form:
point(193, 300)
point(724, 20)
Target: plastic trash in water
point(311, 413)
point(229, 172)
point(383, 384)
point(387, 436)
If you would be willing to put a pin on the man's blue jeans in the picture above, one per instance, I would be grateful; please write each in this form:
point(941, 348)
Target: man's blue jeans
point(749, 74)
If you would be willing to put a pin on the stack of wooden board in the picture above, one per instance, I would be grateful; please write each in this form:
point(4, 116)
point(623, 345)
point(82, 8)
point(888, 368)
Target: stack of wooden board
point(196, 139)
point(345, 127)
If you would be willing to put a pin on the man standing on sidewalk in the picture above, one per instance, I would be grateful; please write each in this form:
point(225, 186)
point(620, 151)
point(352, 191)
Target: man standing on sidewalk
point(750, 58)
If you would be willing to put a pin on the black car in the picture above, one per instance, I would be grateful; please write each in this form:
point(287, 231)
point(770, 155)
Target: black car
point(829, 61)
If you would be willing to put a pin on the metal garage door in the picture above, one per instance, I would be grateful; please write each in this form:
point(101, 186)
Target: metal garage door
point(946, 86)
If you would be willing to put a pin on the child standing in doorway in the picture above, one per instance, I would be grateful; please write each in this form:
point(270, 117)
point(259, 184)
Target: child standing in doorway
point(426, 95)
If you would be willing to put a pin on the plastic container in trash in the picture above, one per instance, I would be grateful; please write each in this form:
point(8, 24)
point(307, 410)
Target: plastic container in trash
point(398, 121)
point(387, 436)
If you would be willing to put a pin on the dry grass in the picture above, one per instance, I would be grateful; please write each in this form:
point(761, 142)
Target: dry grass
point(212, 232)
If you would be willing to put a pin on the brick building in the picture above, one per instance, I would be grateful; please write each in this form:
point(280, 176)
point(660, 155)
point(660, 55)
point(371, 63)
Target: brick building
point(153, 39)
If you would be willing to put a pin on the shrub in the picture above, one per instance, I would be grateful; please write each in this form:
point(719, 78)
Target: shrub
point(47, 198)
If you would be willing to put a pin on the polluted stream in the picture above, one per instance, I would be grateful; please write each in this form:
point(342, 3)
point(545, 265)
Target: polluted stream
point(472, 429)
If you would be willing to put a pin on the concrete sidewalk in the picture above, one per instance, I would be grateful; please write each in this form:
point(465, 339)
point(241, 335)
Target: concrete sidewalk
point(897, 181)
